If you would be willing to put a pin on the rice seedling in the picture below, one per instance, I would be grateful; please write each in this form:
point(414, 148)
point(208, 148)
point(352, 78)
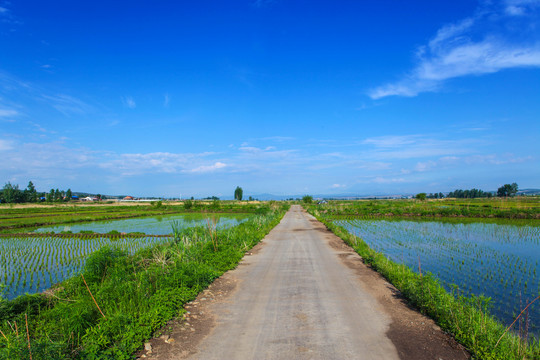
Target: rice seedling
point(497, 261)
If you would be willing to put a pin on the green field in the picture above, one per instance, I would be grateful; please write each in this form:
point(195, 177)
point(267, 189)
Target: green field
point(122, 288)
point(24, 219)
point(471, 265)
point(513, 208)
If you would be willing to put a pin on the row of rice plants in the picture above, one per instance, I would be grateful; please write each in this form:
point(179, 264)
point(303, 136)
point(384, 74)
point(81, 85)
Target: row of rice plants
point(30, 264)
point(120, 300)
point(495, 208)
point(497, 261)
point(466, 317)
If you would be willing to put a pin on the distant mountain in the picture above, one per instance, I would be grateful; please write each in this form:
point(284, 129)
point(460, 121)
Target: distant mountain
point(528, 192)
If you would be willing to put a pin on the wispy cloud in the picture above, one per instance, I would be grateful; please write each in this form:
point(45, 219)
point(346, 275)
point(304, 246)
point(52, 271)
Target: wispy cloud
point(129, 102)
point(385, 180)
point(8, 113)
point(166, 100)
point(500, 35)
point(417, 146)
point(160, 162)
point(5, 145)
point(471, 160)
point(67, 104)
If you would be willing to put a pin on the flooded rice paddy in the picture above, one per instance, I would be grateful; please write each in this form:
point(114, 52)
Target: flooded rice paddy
point(499, 261)
point(31, 264)
point(157, 225)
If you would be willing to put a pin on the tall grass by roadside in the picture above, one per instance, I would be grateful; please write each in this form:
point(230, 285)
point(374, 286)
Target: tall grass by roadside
point(466, 318)
point(120, 300)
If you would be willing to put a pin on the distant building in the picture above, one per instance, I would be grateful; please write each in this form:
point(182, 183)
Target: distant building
point(129, 198)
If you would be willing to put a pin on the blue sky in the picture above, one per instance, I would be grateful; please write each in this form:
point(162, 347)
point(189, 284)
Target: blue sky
point(286, 97)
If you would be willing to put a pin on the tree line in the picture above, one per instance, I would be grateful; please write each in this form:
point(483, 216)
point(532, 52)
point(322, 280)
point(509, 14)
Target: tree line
point(11, 194)
point(504, 191)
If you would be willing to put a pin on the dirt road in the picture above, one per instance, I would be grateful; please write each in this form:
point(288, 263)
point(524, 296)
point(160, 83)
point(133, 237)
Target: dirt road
point(303, 294)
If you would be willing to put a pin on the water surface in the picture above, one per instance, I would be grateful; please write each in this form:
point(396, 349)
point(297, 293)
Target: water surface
point(499, 261)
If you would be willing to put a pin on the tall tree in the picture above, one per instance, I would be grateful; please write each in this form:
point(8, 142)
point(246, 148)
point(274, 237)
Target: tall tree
point(57, 195)
point(238, 193)
point(31, 193)
point(68, 195)
point(50, 196)
point(11, 193)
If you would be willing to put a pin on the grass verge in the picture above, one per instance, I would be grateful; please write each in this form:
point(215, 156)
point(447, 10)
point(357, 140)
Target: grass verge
point(466, 318)
point(119, 300)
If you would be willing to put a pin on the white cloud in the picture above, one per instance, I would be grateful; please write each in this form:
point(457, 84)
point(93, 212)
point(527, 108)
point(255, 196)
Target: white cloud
point(488, 42)
point(208, 168)
point(8, 113)
point(157, 162)
point(455, 161)
point(129, 102)
point(338, 186)
point(390, 141)
point(5, 145)
point(416, 146)
point(382, 180)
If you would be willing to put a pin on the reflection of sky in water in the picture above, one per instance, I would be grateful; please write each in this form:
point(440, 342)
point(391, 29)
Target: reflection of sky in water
point(499, 261)
point(159, 225)
point(43, 262)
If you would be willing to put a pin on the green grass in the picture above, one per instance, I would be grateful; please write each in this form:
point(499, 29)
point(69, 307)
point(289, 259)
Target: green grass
point(26, 219)
point(135, 295)
point(466, 318)
point(514, 208)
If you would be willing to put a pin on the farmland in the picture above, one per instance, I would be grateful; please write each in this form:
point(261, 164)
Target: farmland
point(499, 208)
point(141, 282)
point(33, 262)
point(22, 219)
point(472, 265)
point(498, 261)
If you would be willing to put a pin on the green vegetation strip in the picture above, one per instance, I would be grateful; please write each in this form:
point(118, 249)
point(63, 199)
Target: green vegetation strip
point(119, 301)
point(466, 318)
point(511, 208)
point(19, 220)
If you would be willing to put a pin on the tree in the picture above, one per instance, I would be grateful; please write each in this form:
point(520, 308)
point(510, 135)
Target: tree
point(507, 190)
point(421, 196)
point(30, 194)
point(238, 193)
point(11, 193)
point(50, 196)
point(57, 195)
point(308, 199)
point(68, 195)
